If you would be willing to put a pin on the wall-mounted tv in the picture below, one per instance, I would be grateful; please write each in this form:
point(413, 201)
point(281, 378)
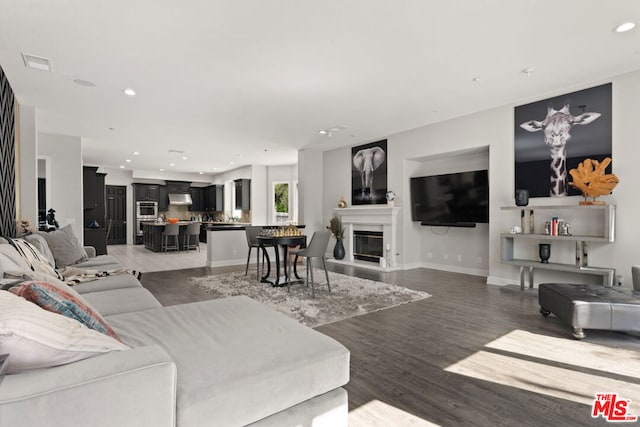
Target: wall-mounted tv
point(454, 199)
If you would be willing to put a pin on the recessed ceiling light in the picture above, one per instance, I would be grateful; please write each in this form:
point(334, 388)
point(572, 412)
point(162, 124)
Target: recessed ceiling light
point(184, 157)
point(161, 170)
point(85, 83)
point(232, 163)
point(37, 62)
point(172, 164)
point(201, 173)
point(128, 160)
point(136, 153)
point(323, 132)
point(627, 26)
point(130, 92)
point(215, 169)
point(121, 166)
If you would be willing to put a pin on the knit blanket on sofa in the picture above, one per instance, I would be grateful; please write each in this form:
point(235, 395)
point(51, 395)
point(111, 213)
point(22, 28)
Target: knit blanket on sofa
point(70, 275)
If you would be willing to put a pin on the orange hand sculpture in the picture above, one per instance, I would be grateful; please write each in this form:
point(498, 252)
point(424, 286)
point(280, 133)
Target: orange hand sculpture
point(589, 178)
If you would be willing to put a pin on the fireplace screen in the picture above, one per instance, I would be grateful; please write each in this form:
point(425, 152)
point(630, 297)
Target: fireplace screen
point(367, 245)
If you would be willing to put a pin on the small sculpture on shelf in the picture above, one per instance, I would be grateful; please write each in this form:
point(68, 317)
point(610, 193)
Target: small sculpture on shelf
point(589, 177)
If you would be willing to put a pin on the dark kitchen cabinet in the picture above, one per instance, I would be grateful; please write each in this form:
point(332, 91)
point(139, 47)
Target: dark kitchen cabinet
point(203, 233)
point(146, 192)
point(197, 199)
point(214, 198)
point(89, 187)
point(178, 187)
point(94, 214)
point(243, 194)
point(163, 198)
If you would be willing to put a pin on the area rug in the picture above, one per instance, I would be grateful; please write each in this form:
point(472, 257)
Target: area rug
point(349, 296)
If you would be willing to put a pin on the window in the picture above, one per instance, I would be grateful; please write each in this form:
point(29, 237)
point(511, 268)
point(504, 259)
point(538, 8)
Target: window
point(280, 202)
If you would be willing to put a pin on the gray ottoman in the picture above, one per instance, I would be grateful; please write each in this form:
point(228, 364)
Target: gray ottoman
point(591, 306)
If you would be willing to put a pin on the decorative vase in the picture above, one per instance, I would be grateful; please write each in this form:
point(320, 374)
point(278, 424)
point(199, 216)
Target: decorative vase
point(544, 250)
point(338, 250)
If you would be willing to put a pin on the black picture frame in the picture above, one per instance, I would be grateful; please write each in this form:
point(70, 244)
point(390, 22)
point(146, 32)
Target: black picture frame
point(369, 173)
point(590, 137)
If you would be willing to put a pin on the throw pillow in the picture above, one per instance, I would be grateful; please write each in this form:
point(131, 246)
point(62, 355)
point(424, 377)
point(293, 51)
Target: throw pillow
point(64, 246)
point(35, 338)
point(57, 300)
point(41, 245)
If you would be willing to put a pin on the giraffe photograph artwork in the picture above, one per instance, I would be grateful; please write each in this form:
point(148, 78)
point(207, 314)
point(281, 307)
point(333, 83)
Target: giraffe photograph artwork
point(554, 135)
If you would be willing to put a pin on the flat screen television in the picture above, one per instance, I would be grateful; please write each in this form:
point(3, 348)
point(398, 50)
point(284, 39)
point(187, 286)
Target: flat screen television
point(454, 199)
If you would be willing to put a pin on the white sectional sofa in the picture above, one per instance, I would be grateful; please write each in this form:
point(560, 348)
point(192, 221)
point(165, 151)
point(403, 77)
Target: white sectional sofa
point(225, 362)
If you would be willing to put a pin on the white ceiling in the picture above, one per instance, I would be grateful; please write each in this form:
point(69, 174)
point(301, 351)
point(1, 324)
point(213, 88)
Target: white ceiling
point(226, 80)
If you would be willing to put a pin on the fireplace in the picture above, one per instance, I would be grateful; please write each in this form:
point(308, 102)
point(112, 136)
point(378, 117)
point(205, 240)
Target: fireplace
point(367, 245)
point(370, 237)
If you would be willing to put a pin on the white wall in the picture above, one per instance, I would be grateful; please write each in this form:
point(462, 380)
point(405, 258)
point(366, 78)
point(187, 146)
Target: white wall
point(311, 186)
point(123, 177)
point(65, 163)
point(495, 129)
point(259, 195)
point(28, 167)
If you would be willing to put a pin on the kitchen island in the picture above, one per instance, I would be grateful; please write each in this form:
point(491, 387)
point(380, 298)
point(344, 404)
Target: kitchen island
point(152, 234)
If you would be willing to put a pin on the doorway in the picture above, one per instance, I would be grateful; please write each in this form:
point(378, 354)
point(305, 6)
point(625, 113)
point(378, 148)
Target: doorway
point(116, 214)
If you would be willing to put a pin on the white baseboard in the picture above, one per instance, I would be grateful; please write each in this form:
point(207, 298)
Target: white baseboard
point(455, 269)
point(500, 281)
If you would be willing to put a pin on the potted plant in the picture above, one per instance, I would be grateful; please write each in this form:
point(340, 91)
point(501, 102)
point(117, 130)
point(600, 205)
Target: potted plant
point(336, 228)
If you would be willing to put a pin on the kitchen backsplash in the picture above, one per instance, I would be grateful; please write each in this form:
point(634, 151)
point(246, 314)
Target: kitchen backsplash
point(182, 212)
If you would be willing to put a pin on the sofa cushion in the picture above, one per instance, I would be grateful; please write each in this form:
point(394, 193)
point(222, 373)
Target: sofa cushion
point(36, 338)
point(41, 245)
point(238, 360)
point(123, 300)
point(117, 281)
point(101, 262)
point(57, 300)
point(65, 246)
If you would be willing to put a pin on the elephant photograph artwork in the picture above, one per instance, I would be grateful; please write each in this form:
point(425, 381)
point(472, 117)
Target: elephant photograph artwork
point(369, 173)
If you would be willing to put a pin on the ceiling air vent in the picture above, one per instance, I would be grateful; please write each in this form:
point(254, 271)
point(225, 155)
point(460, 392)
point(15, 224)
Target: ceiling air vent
point(36, 62)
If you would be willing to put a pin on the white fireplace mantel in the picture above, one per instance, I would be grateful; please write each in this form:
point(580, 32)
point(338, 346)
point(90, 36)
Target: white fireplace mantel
point(372, 218)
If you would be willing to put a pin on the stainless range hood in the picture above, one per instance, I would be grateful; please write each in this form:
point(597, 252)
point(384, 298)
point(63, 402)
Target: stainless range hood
point(180, 199)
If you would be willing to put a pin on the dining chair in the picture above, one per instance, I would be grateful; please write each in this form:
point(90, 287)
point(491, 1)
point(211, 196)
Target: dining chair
point(171, 231)
point(252, 233)
point(316, 249)
point(192, 233)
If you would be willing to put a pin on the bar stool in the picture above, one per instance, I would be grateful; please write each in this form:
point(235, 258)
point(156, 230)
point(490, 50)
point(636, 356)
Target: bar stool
point(170, 231)
point(193, 230)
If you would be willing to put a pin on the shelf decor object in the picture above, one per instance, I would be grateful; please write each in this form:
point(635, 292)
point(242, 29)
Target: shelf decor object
point(544, 250)
point(589, 177)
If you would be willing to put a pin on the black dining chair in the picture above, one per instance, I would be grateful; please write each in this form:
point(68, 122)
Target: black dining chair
point(252, 233)
point(316, 249)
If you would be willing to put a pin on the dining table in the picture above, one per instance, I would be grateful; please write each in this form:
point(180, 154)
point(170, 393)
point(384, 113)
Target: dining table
point(283, 242)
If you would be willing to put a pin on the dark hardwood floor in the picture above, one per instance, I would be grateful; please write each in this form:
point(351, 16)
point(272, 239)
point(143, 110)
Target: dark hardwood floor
point(399, 355)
